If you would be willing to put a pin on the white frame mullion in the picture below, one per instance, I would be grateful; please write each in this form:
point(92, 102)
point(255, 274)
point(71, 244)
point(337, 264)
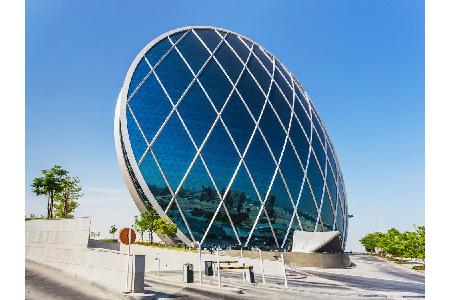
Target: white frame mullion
point(234, 144)
point(206, 138)
point(279, 120)
point(177, 103)
point(226, 128)
point(157, 64)
point(323, 194)
point(171, 192)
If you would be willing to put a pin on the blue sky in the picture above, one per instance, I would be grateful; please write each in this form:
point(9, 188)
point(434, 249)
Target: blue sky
point(362, 62)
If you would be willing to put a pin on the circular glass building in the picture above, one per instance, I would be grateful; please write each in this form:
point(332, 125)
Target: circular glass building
point(215, 133)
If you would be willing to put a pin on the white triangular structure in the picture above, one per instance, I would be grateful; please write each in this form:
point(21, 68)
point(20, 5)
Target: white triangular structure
point(305, 241)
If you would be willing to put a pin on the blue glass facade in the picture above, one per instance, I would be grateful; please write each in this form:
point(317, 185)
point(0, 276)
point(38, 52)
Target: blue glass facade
point(219, 136)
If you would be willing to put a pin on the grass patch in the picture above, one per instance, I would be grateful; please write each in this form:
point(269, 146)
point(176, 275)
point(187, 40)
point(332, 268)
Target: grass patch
point(158, 245)
point(108, 241)
point(419, 268)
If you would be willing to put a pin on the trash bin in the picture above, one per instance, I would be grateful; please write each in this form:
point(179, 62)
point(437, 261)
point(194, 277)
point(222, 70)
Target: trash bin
point(188, 273)
point(209, 268)
point(249, 275)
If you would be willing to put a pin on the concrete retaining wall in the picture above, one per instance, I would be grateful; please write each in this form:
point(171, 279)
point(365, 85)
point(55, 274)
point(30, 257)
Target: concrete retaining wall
point(318, 260)
point(62, 244)
point(173, 260)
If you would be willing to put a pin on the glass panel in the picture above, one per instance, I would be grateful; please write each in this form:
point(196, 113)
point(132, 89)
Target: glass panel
point(292, 171)
point(259, 73)
point(221, 233)
point(315, 178)
point(197, 113)
point(280, 105)
point(260, 164)
point(331, 160)
point(174, 151)
point(302, 117)
point(243, 204)
point(285, 88)
point(174, 74)
point(193, 51)
point(238, 122)
point(340, 219)
point(198, 199)
point(229, 62)
point(262, 236)
point(327, 213)
point(176, 36)
point(137, 141)
point(238, 46)
point(272, 130)
point(174, 214)
point(319, 151)
point(140, 72)
point(155, 181)
point(155, 53)
point(263, 58)
point(319, 129)
point(331, 185)
point(209, 37)
point(149, 99)
point(300, 141)
point(220, 157)
point(251, 94)
point(295, 226)
point(215, 83)
point(279, 208)
point(302, 99)
point(247, 42)
point(285, 73)
point(306, 209)
point(222, 33)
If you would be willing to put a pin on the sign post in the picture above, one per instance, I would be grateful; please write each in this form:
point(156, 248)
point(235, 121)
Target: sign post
point(127, 236)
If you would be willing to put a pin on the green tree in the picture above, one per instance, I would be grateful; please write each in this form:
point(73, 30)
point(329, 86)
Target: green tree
point(410, 241)
point(150, 218)
point(372, 241)
point(420, 242)
point(166, 226)
point(140, 226)
point(112, 230)
point(67, 197)
point(393, 243)
point(50, 184)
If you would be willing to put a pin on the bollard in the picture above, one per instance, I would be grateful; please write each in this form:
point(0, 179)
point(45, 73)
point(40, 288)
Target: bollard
point(209, 268)
point(242, 263)
point(249, 275)
point(262, 267)
point(200, 263)
point(188, 273)
point(159, 264)
point(284, 271)
point(218, 267)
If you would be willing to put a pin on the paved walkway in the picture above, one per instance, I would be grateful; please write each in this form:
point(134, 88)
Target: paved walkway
point(42, 283)
point(370, 277)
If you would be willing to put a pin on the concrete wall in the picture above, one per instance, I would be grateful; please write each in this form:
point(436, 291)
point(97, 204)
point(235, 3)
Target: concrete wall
point(318, 260)
point(173, 260)
point(62, 244)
